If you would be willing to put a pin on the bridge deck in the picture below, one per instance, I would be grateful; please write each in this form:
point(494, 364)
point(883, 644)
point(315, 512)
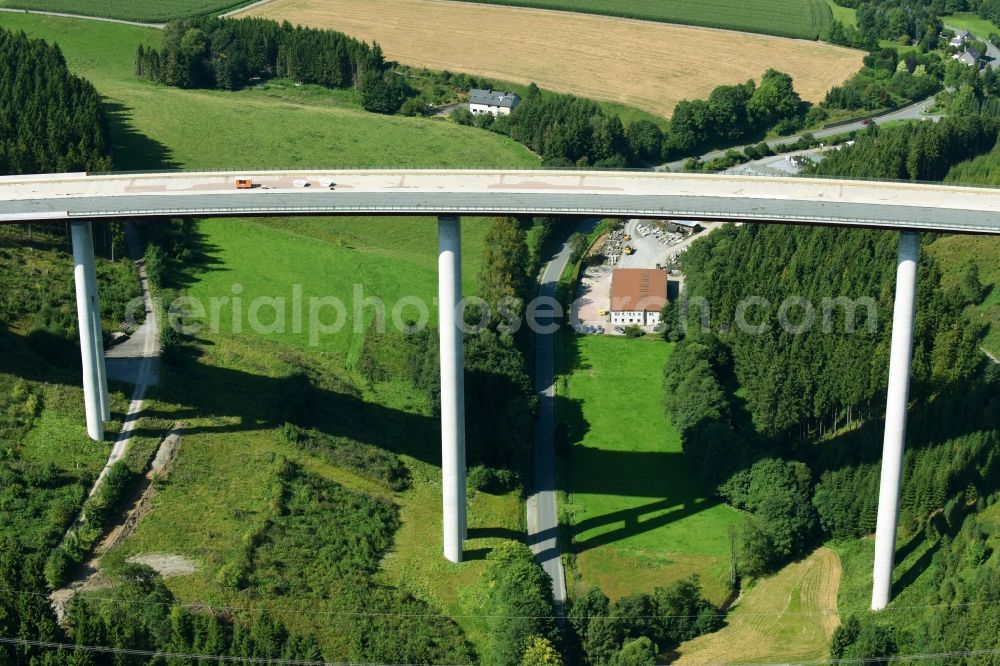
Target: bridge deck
point(890, 205)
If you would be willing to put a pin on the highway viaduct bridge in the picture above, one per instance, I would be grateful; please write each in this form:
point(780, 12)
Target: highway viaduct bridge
point(907, 208)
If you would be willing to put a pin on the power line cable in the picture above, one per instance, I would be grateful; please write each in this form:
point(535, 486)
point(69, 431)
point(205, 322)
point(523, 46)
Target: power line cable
point(184, 655)
point(920, 656)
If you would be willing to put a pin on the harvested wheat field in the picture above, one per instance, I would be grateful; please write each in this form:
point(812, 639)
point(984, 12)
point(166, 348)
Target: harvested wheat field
point(643, 64)
point(787, 617)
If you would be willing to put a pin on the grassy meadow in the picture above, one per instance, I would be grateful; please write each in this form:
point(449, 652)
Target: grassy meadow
point(846, 15)
point(638, 516)
point(228, 387)
point(788, 616)
point(978, 26)
point(208, 508)
point(156, 127)
point(386, 258)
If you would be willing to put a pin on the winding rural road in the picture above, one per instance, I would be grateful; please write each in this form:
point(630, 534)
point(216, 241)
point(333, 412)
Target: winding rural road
point(139, 24)
point(543, 519)
point(915, 111)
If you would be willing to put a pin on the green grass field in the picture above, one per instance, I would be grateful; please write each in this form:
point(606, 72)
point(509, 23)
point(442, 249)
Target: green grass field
point(846, 15)
point(975, 24)
point(209, 507)
point(384, 258)
point(805, 19)
point(148, 11)
point(226, 393)
point(788, 616)
point(156, 126)
point(639, 517)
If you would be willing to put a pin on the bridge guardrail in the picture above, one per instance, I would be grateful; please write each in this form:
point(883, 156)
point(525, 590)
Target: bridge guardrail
point(493, 210)
point(501, 169)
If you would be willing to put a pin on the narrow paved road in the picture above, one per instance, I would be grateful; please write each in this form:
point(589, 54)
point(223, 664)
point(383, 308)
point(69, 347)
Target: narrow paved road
point(140, 24)
point(158, 26)
point(136, 362)
point(915, 111)
point(543, 520)
point(243, 8)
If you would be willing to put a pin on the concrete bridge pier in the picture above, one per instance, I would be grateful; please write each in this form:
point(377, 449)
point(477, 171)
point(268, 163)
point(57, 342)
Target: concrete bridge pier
point(102, 371)
point(88, 311)
point(900, 359)
point(452, 385)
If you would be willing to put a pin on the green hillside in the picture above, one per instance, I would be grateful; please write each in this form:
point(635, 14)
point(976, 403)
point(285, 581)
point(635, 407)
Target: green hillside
point(156, 126)
point(234, 391)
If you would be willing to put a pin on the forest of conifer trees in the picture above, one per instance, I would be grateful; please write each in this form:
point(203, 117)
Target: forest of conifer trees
point(50, 120)
point(229, 54)
point(798, 445)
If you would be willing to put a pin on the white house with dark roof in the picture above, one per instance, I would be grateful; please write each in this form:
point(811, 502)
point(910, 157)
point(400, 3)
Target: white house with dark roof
point(970, 57)
point(493, 102)
point(960, 38)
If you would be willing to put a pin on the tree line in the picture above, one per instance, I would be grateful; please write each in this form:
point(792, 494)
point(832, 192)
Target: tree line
point(229, 54)
point(896, 20)
point(924, 151)
point(888, 79)
point(50, 119)
point(515, 597)
point(634, 629)
point(736, 113)
point(569, 131)
point(804, 388)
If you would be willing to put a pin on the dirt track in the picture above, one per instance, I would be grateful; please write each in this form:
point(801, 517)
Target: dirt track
point(640, 63)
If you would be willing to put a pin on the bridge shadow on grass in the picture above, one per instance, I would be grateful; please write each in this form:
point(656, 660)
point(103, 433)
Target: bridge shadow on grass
point(944, 413)
point(132, 150)
point(228, 400)
point(909, 575)
point(197, 257)
point(628, 475)
point(665, 477)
